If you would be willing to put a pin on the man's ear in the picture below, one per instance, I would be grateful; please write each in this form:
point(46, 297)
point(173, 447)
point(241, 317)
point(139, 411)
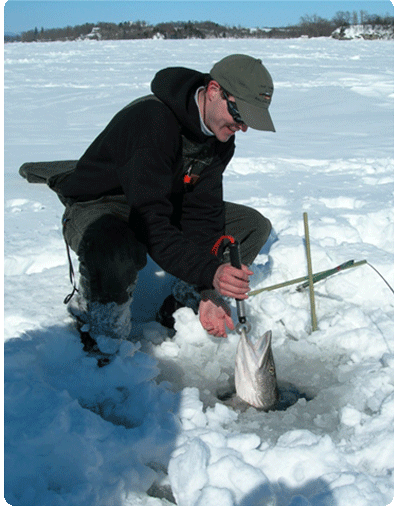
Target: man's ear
point(213, 89)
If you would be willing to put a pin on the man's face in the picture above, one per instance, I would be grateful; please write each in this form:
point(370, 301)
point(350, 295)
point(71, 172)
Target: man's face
point(218, 119)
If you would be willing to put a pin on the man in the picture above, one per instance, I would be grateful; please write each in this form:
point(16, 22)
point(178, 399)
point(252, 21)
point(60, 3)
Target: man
point(151, 183)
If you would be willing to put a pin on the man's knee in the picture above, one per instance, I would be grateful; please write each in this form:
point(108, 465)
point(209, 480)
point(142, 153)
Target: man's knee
point(110, 258)
point(249, 227)
point(258, 233)
point(262, 226)
point(256, 225)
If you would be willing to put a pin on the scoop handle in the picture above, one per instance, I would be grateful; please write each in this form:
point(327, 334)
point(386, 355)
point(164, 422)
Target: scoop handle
point(235, 255)
point(237, 263)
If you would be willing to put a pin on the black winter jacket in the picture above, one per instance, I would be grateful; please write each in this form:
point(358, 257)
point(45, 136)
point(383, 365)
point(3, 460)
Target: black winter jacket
point(144, 153)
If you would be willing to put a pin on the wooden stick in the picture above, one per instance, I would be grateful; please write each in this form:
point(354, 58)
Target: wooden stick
point(310, 274)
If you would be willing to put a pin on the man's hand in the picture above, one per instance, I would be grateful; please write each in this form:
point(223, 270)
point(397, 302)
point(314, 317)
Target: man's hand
point(214, 317)
point(232, 282)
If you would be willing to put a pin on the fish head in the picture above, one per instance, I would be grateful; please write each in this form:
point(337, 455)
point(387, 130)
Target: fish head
point(255, 374)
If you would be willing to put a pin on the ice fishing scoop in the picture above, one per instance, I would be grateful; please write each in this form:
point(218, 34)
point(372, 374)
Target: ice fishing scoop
point(243, 325)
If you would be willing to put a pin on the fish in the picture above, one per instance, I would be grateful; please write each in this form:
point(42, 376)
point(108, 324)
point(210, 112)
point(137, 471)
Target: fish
point(255, 373)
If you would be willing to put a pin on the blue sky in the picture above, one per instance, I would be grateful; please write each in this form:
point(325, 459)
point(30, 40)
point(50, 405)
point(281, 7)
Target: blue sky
point(21, 15)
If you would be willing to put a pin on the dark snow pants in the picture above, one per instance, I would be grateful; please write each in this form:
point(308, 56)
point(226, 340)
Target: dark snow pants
point(110, 256)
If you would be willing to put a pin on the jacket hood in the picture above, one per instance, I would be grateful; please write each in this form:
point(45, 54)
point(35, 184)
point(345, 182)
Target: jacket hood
point(176, 87)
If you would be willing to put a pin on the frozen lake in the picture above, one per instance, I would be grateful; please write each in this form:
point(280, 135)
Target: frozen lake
point(149, 429)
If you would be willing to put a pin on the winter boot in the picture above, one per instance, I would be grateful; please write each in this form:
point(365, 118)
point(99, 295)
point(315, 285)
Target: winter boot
point(109, 319)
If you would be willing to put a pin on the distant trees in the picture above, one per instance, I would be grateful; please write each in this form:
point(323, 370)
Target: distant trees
point(352, 18)
point(309, 26)
point(342, 18)
point(56, 34)
point(314, 26)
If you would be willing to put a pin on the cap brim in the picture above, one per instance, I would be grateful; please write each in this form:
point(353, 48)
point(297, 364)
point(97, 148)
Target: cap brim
point(255, 117)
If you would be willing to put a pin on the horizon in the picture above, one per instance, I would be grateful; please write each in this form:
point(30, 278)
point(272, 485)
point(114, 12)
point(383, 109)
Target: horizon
point(23, 16)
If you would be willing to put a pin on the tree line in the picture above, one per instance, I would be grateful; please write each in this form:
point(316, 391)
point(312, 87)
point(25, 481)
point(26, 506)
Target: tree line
point(309, 26)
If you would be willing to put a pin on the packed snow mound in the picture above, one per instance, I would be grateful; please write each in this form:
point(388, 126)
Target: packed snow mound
point(152, 428)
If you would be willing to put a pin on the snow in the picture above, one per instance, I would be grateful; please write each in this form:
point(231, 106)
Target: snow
point(364, 31)
point(149, 429)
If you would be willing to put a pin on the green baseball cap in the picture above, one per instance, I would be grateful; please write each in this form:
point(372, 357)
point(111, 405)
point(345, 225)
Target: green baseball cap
point(251, 84)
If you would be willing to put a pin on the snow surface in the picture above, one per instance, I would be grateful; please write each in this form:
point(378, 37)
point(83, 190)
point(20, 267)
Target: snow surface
point(149, 428)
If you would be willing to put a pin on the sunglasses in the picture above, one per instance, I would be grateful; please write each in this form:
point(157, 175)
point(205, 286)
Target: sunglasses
point(232, 108)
